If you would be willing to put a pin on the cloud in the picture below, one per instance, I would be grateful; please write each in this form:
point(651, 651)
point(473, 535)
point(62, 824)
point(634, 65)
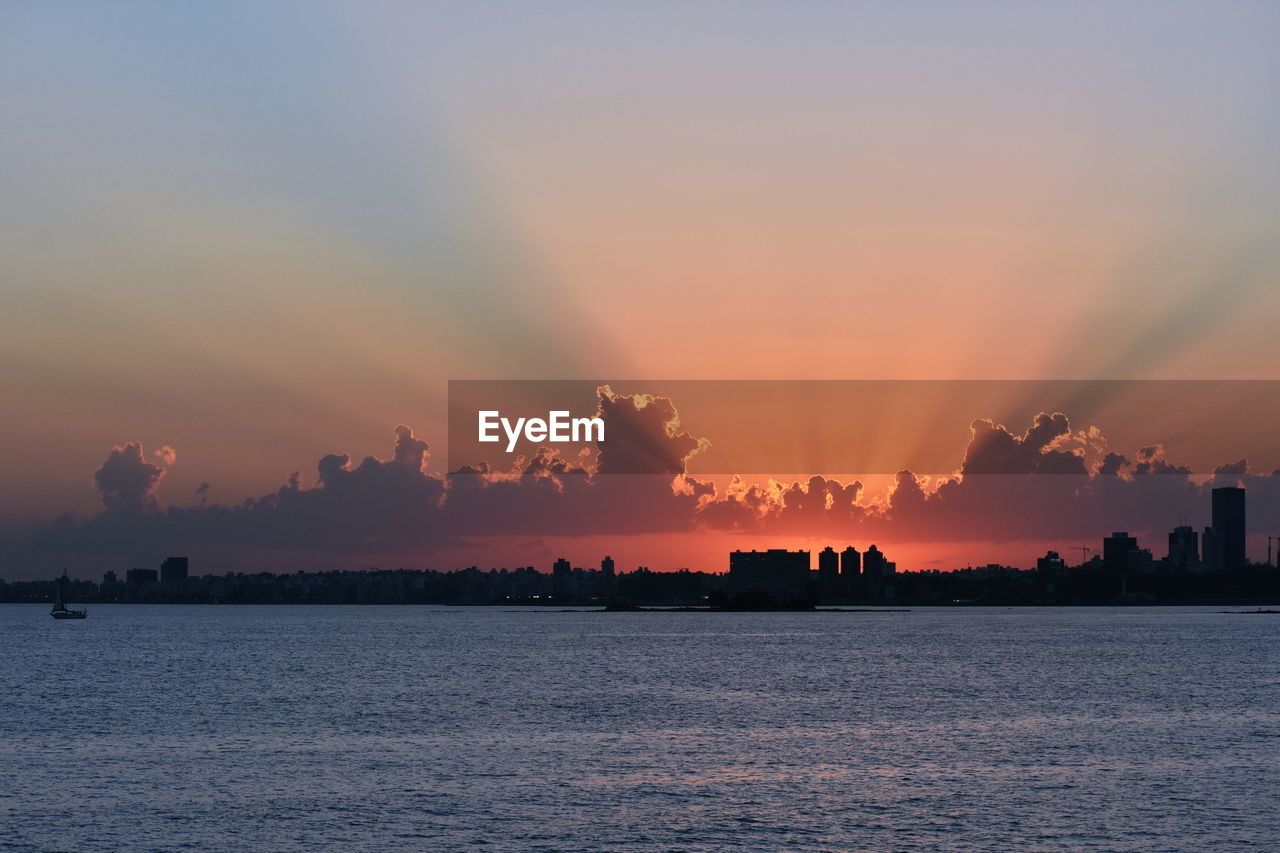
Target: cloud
point(998, 494)
point(127, 482)
point(742, 508)
point(643, 435)
point(409, 451)
point(993, 449)
point(1151, 460)
point(393, 505)
point(1112, 465)
point(1238, 468)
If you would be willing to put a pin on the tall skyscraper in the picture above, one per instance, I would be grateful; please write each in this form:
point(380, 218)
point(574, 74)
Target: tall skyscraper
point(1211, 545)
point(850, 562)
point(1184, 547)
point(606, 566)
point(1229, 525)
point(828, 562)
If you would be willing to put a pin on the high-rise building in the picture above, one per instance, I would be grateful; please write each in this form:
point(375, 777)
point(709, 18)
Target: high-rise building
point(1116, 551)
point(1229, 525)
point(850, 562)
point(561, 567)
point(828, 563)
point(606, 566)
point(173, 569)
point(1211, 548)
point(874, 564)
point(1184, 548)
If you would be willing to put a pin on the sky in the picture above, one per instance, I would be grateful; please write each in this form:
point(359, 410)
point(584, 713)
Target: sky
point(258, 234)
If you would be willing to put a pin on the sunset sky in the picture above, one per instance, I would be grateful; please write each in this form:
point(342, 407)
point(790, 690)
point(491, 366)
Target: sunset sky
point(258, 234)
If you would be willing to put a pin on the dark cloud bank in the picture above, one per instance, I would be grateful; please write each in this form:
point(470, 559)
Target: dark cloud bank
point(1050, 481)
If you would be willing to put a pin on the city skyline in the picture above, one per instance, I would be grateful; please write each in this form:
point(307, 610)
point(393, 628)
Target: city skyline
point(1120, 555)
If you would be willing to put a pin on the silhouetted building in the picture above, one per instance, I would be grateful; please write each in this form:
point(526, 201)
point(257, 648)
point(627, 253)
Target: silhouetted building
point(137, 577)
point(1184, 548)
point(1211, 544)
point(173, 569)
point(828, 562)
point(829, 589)
point(850, 562)
point(606, 566)
point(561, 567)
point(875, 569)
point(1051, 563)
point(109, 578)
point(776, 576)
point(1229, 525)
point(874, 565)
point(1116, 551)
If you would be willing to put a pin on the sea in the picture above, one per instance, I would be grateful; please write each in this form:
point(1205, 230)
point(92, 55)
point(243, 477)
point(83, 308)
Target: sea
point(395, 728)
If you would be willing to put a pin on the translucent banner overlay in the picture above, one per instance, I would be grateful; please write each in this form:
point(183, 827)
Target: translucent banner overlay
point(935, 427)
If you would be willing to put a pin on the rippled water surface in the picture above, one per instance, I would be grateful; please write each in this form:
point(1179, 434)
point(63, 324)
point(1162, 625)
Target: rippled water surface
point(418, 728)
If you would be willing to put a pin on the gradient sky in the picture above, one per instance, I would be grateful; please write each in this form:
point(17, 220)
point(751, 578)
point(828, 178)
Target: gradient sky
point(259, 233)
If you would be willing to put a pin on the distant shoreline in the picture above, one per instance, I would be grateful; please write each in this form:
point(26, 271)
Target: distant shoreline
point(596, 607)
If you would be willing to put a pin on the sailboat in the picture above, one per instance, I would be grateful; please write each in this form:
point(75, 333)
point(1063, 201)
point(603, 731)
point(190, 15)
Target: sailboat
point(60, 609)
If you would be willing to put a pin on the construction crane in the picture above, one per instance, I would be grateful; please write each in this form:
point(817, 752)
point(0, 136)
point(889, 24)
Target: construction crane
point(1084, 553)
